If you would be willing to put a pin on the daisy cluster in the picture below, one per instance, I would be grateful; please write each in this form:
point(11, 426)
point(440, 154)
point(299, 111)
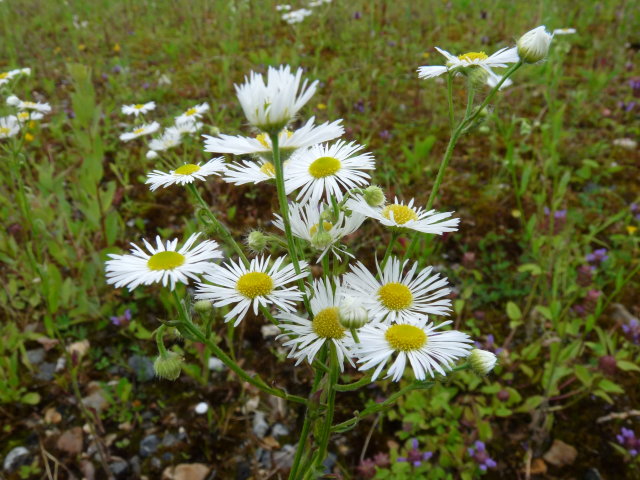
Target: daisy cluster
point(292, 16)
point(24, 113)
point(369, 318)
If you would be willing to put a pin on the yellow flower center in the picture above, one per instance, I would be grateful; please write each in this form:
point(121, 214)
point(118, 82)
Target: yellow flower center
point(187, 169)
point(165, 261)
point(395, 296)
point(268, 169)
point(325, 225)
point(138, 106)
point(262, 138)
point(405, 337)
point(401, 213)
point(23, 115)
point(324, 166)
point(254, 284)
point(138, 131)
point(28, 137)
point(4, 131)
point(4, 75)
point(191, 111)
point(326, 324)
point(473, 56)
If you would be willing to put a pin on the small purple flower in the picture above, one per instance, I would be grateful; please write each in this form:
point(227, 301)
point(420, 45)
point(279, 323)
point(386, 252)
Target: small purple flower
point(359, 106)
point(634, 83)
point(116, 69)
point(627, 438)
point(385, 135)
point(489, 345)
point(631, 330)
point(415, 456)
point(357, 16)
point(481, 456)
point(146, 85)
point(122, 320)
point(599, 255)
point(627, 107)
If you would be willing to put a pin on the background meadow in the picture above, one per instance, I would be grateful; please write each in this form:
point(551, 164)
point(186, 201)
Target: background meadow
point(549, 178)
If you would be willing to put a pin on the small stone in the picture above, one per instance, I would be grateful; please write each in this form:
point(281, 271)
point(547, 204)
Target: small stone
point(71, 441)
point(96, 399)
point(538, 467)
point(79, 349)
point(592, 474)
point(16, 458)
point(142, 366)
point(88, 469)
point(61, 363)
point(329, 462)
point(136, 467)
point(186, 471)
point(216, 364)
point(156, 463)
point(149, 445)
point(269, 330)
point(169, 440)
point(35, 356)
point(279, 430)
point(202, 408)
point(283, 459)
point(46, 371)
point(119, 468)
point(260, 426)
point(52, 416)
point(560, 454)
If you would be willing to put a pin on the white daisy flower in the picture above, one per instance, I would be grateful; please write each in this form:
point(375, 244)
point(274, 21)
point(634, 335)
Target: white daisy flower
point(25, 105)
point(9, 126)
point(305, 221)
point(6, 77)
point(397, 297)
point(187, 127)
point(28, 115)
point(326, 170)
point(146, 129)
point(288, 141)
point(187, 173)
point(400, 215)
point(533, 46)
point(428, 350)
point(257, 285)
point(163, 264)
point(271, 106)
point(480, 59)
point(283, 7)
point(138, 108)
point(193, 113)
point(564, 31)
point(170, 138)
point(311, 335)
point(296, 16)
point(240, 173)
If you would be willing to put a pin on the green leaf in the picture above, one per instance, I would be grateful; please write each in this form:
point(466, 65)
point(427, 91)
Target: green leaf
point(513, 311)
point(610, 387)
point(530, 403)
point(544, 311)
point(532, 268)
point(583, 375)
point(627, 366)
point(31, 398)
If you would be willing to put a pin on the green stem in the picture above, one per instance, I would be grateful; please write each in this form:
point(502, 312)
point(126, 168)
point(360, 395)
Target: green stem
point(387, 253)
point(159, 341)
point(325, 432)
point(349, 387)
point(450, 99)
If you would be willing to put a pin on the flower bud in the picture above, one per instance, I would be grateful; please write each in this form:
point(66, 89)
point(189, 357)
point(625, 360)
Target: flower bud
point(257, 241)
point(151, 154)
point(352, 314)
point(203, 307)
point(533, 46)
point(374, 196)
point(13, 100)
point(321, 240)
point(168, 366)
point(478, 77)
point(482, 361)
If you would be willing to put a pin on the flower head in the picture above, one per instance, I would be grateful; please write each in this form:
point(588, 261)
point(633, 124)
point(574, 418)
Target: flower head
point(240, 173)
point(471, 59)
point(6, 77)
point(481, 456)
point(482, 361)
point(138, 108)
point(193, 113)
point(170, 138)
point(146, 129)
point(14, 101)
point(9, 126)
point(272, 105)
point(187, 173)
point(533, 46)
point(415, 457)
point(163, 264)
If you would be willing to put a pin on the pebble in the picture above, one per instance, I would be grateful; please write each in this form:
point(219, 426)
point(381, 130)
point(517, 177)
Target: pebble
point(260, 425)
point(16, 458)
point(216, 364)
point(169, 440)
point(46, 371)
point(149, 445)
point(142, 366)
point(279, 430)
point(202, 408)
point(35, 356)
point(119, 468)
point(283, 458)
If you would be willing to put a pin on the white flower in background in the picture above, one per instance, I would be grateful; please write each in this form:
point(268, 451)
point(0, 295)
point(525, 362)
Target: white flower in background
point(283, 8)
point(14, 101)
point(398, 297)
point(193, 113)
point(564, 31)
point(241, 173)
point(163, 264)
point(151, 154)
point(288, 141)
point(187, 173)
point(493, 79)
point(479, 59)
point(272, 105)
point(187, 127)
point(146, 129)
point(533, 46)
point(296, 16)
point(29, 115)
point(170, 138)
point(256, 285)
point(318, 3)
point(310, 335)
point(326, 170)
point(138, 108)
point(305, 224)
point(428, 351)
point(9, 126)
point(482, 361)
point(6, 77)
point(406, 216)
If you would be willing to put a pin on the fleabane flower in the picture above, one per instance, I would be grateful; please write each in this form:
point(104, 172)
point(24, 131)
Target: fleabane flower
point(187, 173)
point(146, 129)
point(399, 215)
point(288, 141)
point(9, 126)
point(162, 264)
point(310, 335)
point(326, 170)
point(26, 105)
point(240, 173)
point(428, 350)
point(272, 105)
point(399, 296)
point(296, 16)
point(305, 224)
point(193, 113)
point(471, 59)
point(28, 115)
point(138, 108)
point(533, 46)
point(188, 126)
point(170, 138)
point(482, 361)
point(253, 286)
point(6, 77)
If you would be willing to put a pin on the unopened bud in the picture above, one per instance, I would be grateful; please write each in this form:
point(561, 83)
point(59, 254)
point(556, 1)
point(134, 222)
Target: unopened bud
point(321, 240)
point(482, 361)
point(352, 313)
point(151, 154)
point(478, 76)
point(13, 100)
point(203, 307)
point(533, 46)
point(257, 241)
point(374, 196)
point(168, 366)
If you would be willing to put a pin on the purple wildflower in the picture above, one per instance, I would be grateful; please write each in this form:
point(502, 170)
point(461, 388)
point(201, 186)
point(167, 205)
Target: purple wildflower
point(122, 320)
point(489, 345)
point(634, 83)
point(357, 16)
point(367, 468)
point(385, 135)
point(599, 255)
point(627, 438)
point(415, 456)
point(481, 456)
point(632, 330)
